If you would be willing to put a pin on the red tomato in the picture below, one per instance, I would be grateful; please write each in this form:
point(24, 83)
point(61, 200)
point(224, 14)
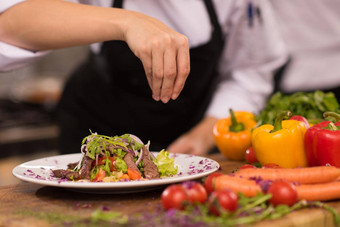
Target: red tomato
point(247, 166)
point(99, 176)
point(174, 197)
point(208, 183)
point(272, 165)
point(250, 156)
point(133, 174)
point(195, 191)
point(222, 200)
point(282, 192)
point(102, 161)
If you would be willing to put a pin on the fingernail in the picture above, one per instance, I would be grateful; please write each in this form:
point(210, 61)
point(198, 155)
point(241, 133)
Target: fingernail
point(174, 96)
point(155, 97)
point(165, 99)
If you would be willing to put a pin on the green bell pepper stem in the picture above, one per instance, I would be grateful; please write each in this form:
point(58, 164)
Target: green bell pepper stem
point(279, 119)
point(331, 126)
point(332, 114)
point(235, 126)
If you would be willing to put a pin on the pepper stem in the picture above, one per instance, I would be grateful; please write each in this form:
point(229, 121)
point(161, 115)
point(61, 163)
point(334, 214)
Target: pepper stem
point(235, 126)
point(279, 119)
point(332, 114)
point(332, 126)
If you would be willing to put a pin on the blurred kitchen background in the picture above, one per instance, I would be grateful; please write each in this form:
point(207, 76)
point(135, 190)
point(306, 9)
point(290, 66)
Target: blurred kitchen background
point(28, 99)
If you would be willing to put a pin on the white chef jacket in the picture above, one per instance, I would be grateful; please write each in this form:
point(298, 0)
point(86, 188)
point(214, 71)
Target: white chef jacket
point(311, 31)
point(250, 55)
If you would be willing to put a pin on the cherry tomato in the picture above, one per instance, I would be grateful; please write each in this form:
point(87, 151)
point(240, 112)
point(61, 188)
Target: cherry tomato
point(247, 166)
point(283, 192)
point(99, 176)
point(174, 197)
point(250, 156)
point(222, 200)
point(272, 165)
point(208, 183)
point(102, 161)
point(195, 191)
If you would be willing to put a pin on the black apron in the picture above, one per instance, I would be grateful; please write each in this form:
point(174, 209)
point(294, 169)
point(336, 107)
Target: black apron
point(109, 94)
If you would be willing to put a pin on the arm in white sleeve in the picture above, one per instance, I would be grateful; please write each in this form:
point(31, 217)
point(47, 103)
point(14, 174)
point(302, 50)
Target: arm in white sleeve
point(250, 57)
point(12, 57)
point(5, 4)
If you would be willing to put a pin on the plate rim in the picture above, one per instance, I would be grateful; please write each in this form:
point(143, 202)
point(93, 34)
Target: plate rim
point(111, 185)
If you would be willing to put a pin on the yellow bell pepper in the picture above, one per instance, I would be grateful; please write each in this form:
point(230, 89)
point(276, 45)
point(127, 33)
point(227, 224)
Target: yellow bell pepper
point(281, 144)
point(233, 134)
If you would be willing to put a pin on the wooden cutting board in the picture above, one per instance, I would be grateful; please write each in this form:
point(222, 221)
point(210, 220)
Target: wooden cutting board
point(27, 204)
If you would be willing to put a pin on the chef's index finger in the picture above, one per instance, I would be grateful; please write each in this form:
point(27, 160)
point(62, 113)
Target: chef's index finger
point(170, 71)
point(157, 72)
point(146, 61)
point(183, 69)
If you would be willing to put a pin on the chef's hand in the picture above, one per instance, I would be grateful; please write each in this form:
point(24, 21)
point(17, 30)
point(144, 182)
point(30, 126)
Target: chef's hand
point(163, 52)
point(198, 141)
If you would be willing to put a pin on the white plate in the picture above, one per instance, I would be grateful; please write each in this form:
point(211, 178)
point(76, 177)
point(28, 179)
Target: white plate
point(38, 171)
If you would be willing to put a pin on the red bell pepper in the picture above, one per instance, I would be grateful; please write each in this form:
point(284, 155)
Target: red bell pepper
point(300, 118)
point(322, 142)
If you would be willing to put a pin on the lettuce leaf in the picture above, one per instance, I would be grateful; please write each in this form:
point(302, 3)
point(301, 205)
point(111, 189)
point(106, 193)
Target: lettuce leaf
point(165, 164)
point(120, 165)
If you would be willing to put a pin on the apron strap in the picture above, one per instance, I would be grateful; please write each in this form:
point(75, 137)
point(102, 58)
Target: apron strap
point(118, 3)
point(213, 17)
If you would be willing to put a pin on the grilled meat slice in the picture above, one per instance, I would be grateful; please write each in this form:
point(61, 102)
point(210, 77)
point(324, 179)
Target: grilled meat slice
point(72, 165)
point(86, 168)
point(150, 168)
point(71, 175)
point(68, 174)
point(59, 173)
point(130, 162)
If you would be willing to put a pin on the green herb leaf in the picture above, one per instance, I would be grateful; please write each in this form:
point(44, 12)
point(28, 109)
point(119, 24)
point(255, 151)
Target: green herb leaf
point(310, 105)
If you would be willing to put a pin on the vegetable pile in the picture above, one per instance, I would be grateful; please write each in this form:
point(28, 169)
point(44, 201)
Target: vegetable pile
point(236, 199)
point(298, 130)
point(117, 158)
point(293, 148)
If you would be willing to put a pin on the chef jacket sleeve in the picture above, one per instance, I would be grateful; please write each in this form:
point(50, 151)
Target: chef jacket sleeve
point(253, 51)
point(5, 4)
point(12, 57)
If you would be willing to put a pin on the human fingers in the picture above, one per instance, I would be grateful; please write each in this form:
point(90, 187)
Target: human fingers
point(183, 67)
point(146, 61)
point(169, 76)
point(157, 70)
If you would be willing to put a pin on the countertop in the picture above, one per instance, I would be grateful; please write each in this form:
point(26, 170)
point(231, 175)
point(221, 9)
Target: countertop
point(28, 204)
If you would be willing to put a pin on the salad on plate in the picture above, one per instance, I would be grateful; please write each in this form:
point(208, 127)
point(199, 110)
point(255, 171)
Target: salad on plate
point(117, 158)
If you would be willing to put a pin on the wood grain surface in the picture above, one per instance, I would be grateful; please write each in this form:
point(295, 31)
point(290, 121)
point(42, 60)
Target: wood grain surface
point(27, 204)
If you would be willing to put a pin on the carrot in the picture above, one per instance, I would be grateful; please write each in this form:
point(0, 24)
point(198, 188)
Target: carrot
point(133, 174)
point(247, 187)
point(306, 175)
point(124, 176)
point(319, 192)
point(310, 192)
